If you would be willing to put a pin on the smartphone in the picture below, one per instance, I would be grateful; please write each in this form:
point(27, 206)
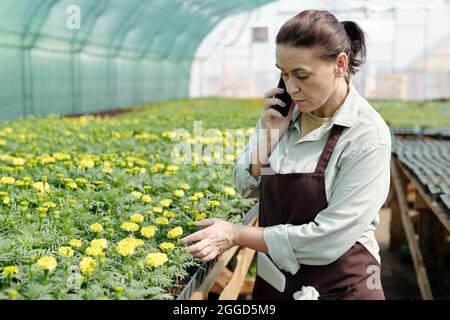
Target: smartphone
point(285, 97)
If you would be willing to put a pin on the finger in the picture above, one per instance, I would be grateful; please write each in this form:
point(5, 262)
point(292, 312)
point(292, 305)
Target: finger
point(273, 113)
point(196, 236)
point(203, 253)
point(209, 257)
point(199, 246)
point(272, 92)
point(272, 102)
point(205, 222)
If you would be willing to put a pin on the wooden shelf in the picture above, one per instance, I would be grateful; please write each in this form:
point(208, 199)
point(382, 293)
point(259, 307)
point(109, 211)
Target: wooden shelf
point(424, 229)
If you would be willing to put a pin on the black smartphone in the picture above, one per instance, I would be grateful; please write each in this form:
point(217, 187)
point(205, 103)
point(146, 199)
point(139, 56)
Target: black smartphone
point(285, 97)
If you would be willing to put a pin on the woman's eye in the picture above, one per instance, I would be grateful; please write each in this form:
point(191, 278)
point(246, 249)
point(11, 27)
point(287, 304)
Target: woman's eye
point(284, 75)
point(302, 78)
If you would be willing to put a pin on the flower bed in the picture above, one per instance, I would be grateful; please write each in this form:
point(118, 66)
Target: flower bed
point(93, 208)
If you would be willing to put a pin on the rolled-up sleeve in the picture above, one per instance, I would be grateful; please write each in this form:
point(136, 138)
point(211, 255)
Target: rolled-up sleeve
point(359, 190)
point(246, 184)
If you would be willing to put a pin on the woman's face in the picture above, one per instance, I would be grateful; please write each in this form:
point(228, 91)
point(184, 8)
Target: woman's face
point(309, 80)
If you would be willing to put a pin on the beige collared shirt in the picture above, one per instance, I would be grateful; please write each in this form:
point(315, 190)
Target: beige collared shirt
point(357, 182)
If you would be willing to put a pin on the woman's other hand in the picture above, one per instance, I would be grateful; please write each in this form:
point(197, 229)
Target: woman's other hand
point(217, 237)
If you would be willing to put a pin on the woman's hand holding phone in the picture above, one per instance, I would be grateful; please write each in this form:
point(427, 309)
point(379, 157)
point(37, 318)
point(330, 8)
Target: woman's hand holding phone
point(274, 125)
point(272, 120)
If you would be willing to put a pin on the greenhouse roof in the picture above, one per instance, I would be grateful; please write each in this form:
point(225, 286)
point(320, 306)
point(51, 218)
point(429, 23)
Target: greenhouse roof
point(134, 29)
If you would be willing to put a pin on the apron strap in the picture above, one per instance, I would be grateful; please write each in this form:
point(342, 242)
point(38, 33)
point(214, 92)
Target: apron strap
point(335, 133)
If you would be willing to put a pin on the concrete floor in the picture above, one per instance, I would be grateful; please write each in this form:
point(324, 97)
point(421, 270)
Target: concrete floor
point(398, 278)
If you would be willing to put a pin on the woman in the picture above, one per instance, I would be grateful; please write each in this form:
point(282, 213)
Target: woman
point(324, 174)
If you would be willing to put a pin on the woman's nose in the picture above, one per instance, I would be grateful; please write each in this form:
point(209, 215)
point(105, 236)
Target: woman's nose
point(291, 88)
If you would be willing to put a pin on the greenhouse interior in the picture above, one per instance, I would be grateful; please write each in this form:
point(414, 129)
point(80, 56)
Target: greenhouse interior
point(128, 150)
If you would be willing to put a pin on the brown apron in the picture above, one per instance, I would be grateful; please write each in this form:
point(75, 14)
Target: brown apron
point(297, 198)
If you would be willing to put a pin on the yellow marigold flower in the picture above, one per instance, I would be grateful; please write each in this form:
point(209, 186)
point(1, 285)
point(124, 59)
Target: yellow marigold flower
point(167, 246)
point(126, 246)
point(137, 218)
point(146, 199)
point(148, 232)
point(87, 266)
point(199, 195)
point(100, 243)
point(165, 203)
point(80, 181)
point(20, 183)
point(168, 214)
point(86, 163)
point(157, 210)
point(18, 161)
point(47, 263)
point(94, 251)
point(175, 232)
point(229, 191)
point(12, 293)
point(162, 220)
point(72, 185)
point(7, 180)
point(96, 228)
point(172, 168)
point(156, 259)
point(46, 159)
point(49, 204)
point(61, 156)
point(213, 203)
point(75, 243)
point(156, 168)
point(136, 194)
point(41, 186)
point(138, 242)
point(10, 270)
point(6, 200)
point(129, 226)
point(118, 289)
point(65, 251)
point(107, 169)
point(179, 193)
point(200, 216)
point(185, 186)
point(193, 198)
point(42, 210)
point(125, 250)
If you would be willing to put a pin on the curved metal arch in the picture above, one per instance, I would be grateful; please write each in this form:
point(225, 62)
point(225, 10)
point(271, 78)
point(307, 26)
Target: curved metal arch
point(41, 22)
point(89, 23)
point(131, 26)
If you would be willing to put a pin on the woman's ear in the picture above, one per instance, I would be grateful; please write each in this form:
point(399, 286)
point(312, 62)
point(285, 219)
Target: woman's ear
point(341, 64)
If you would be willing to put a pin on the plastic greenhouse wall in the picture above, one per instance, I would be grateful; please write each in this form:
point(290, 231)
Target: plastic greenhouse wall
point(85, 56)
